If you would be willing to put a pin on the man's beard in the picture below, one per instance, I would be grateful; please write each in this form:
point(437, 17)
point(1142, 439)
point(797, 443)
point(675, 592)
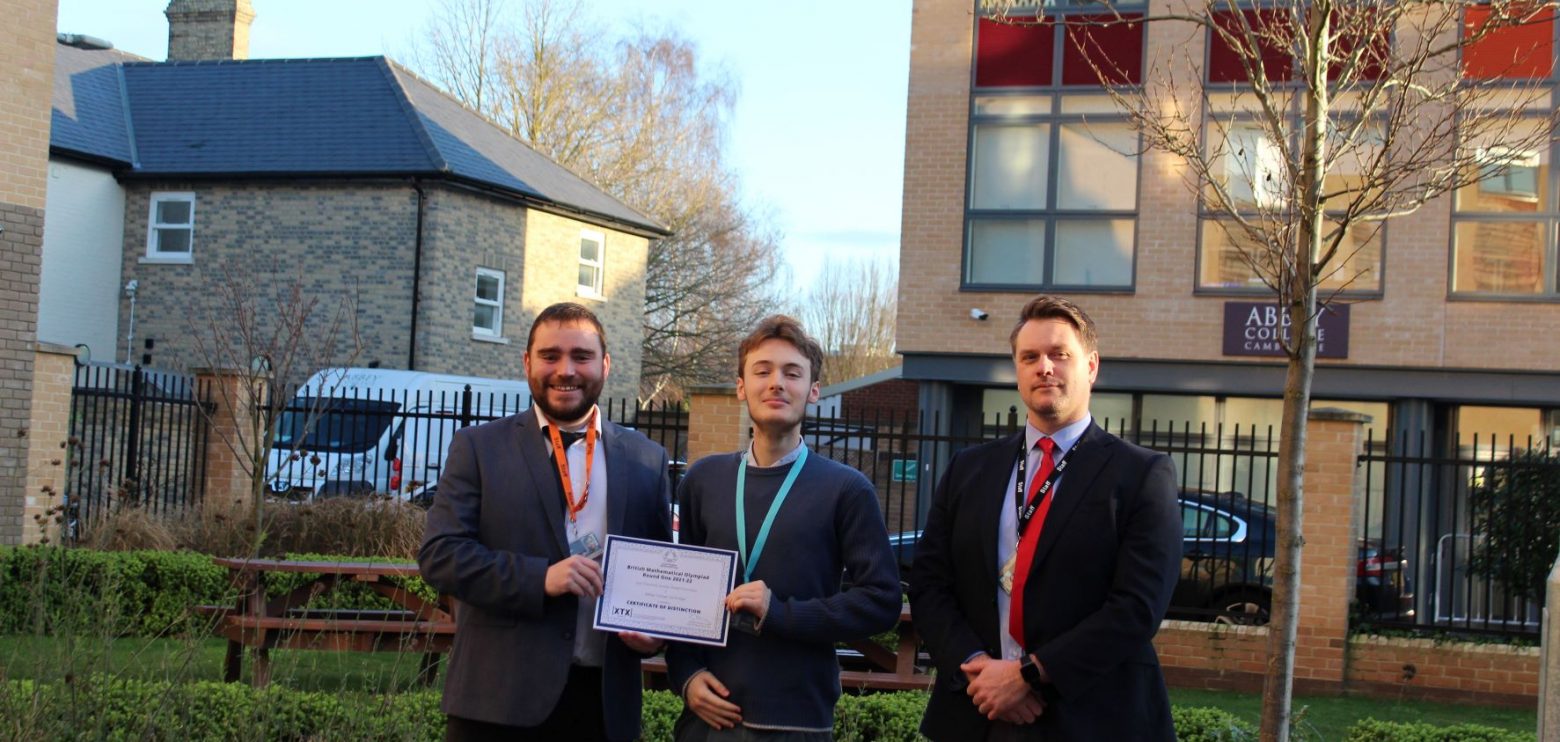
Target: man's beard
point(589, 393)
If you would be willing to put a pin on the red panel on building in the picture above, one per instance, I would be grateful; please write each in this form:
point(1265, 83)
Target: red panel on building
point(1373, 60)
point(1116, 47)
point(1514, 52)
point(1014, 53)
point(1224, 62)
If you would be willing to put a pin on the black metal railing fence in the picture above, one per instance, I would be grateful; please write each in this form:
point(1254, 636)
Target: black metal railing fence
point(138, 438)
point(1425, 527)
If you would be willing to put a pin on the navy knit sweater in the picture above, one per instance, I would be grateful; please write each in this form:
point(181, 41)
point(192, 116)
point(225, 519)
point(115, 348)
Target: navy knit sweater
point(787, 677)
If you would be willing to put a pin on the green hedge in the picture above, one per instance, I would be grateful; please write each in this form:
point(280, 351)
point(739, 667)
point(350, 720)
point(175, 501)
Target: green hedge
point(1372, 730)
point(137, 593)
point(132, 593)
point(1209, 725)
point(102, 707)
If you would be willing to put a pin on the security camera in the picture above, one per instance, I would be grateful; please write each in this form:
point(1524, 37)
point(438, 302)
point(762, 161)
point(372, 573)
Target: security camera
point(979, 314)
point(132, 285)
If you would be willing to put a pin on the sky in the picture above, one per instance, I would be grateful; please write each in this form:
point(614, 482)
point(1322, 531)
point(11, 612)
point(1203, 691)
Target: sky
point(817, 137)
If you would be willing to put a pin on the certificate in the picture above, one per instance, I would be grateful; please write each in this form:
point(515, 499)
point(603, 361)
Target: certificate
point(666, 590)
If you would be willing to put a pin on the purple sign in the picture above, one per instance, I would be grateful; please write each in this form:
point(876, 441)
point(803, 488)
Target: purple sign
point(1260, 329)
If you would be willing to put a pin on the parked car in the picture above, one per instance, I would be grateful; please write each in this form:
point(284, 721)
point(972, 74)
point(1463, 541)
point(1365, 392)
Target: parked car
point(1227, 548)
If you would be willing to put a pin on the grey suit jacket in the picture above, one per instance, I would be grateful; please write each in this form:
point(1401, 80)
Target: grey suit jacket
point(495, 527)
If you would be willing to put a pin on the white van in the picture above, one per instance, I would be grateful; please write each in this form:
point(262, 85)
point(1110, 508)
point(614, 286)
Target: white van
point(370, 430)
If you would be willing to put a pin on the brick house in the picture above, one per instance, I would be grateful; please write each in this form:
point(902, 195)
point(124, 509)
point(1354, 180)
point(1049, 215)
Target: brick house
point(355, 173)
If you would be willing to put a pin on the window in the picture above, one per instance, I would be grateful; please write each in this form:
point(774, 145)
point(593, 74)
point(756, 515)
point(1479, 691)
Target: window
point(1249, 168)
point(1504, 218)
point(592, 263)
point(170, 230)
point(1053, 174)
point(488, 318)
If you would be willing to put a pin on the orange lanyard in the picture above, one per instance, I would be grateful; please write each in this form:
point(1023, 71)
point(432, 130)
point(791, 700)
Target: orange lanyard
point(562, 459)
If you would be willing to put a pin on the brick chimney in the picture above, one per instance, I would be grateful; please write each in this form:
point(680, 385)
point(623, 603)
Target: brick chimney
point(208, 29)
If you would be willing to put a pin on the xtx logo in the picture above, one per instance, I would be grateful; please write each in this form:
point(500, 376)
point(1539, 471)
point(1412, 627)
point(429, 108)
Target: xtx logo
point(620, 611)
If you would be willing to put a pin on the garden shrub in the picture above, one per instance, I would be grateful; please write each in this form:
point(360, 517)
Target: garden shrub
point(1196, 724)
point(136, 593)
point(104, 707)
point(1373, 730)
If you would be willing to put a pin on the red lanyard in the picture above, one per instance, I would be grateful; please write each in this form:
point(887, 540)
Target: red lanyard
point(562, 459)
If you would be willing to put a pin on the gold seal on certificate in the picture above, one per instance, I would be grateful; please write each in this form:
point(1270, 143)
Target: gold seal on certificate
point(665, 590)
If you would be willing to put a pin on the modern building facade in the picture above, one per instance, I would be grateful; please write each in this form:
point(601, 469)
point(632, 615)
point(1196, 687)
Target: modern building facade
point(1020, 179)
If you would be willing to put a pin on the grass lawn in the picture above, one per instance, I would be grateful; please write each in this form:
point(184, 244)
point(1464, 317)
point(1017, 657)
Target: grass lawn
point(51, 658)
point(1327, 717)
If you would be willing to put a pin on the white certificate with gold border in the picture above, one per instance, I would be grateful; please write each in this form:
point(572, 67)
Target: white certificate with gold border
point(667, 590)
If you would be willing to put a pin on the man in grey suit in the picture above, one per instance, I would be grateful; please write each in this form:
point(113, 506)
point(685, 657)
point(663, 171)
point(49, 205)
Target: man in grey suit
point(523, 507)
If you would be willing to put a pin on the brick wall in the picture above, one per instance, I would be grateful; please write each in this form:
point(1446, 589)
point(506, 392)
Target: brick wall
point(48, 433)
point(717, 421)
point(359, 238)
point(1413, 325)
point(551, 275)
point(464, 231)
point(209, 29)
point(27, 57)
point(897, 396)
point(342, 240)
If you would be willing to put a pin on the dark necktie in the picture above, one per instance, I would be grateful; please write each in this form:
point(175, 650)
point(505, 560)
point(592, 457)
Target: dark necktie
point(569, 437)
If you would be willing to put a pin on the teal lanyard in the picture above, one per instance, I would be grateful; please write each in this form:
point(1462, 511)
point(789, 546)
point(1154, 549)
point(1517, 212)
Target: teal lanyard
point(769, 520)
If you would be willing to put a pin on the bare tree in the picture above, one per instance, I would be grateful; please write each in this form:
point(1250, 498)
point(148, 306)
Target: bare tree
point(851, 309)
point(270, 334)
point(1343, 115)
point(642, 119)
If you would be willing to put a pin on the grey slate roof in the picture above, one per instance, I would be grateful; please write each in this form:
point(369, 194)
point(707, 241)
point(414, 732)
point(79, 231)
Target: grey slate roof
point(297, 117)
point(89, 113)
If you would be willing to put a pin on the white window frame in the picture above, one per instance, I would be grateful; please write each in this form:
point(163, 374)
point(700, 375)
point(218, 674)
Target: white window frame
point(154, 253)
point(496, 332)
point(599, 265)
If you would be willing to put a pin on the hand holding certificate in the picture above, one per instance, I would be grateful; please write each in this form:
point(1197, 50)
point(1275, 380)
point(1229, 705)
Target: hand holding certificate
point(665, 590)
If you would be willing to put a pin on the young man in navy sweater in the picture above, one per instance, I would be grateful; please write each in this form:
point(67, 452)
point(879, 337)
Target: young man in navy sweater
point(798, 522)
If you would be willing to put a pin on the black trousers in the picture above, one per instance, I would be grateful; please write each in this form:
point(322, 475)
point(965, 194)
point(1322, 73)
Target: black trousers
point(578, 716)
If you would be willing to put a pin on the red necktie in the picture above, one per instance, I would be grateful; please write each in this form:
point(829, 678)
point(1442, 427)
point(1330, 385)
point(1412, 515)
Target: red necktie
point(1026, 543)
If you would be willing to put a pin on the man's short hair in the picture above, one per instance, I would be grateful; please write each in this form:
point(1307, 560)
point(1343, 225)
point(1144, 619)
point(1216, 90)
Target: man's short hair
point(567, 313)
point(1044, 307)
point(781, 327)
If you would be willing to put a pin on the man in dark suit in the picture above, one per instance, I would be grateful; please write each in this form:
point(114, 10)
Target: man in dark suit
point(1047, 563)
point(523, 508)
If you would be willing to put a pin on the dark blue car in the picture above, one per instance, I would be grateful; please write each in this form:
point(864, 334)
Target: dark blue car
point(1227, 563)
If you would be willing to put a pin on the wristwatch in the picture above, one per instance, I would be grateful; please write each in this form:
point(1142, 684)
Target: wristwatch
point(1029, 671)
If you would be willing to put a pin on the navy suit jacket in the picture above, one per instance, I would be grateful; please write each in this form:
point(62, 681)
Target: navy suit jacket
point(1107, 560)
point(495, 527)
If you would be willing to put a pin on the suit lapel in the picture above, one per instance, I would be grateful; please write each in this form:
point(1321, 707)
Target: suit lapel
point(544, 480)
point(617, 476)
point(1093, 451)
point(988, 490)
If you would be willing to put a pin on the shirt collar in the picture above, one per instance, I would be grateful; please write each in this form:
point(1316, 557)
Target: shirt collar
point(1065, 438)
point(542, 422)
point(752, 461)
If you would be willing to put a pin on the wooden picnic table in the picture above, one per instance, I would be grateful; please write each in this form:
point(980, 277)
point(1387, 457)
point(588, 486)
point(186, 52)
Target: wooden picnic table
point(263, 623)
